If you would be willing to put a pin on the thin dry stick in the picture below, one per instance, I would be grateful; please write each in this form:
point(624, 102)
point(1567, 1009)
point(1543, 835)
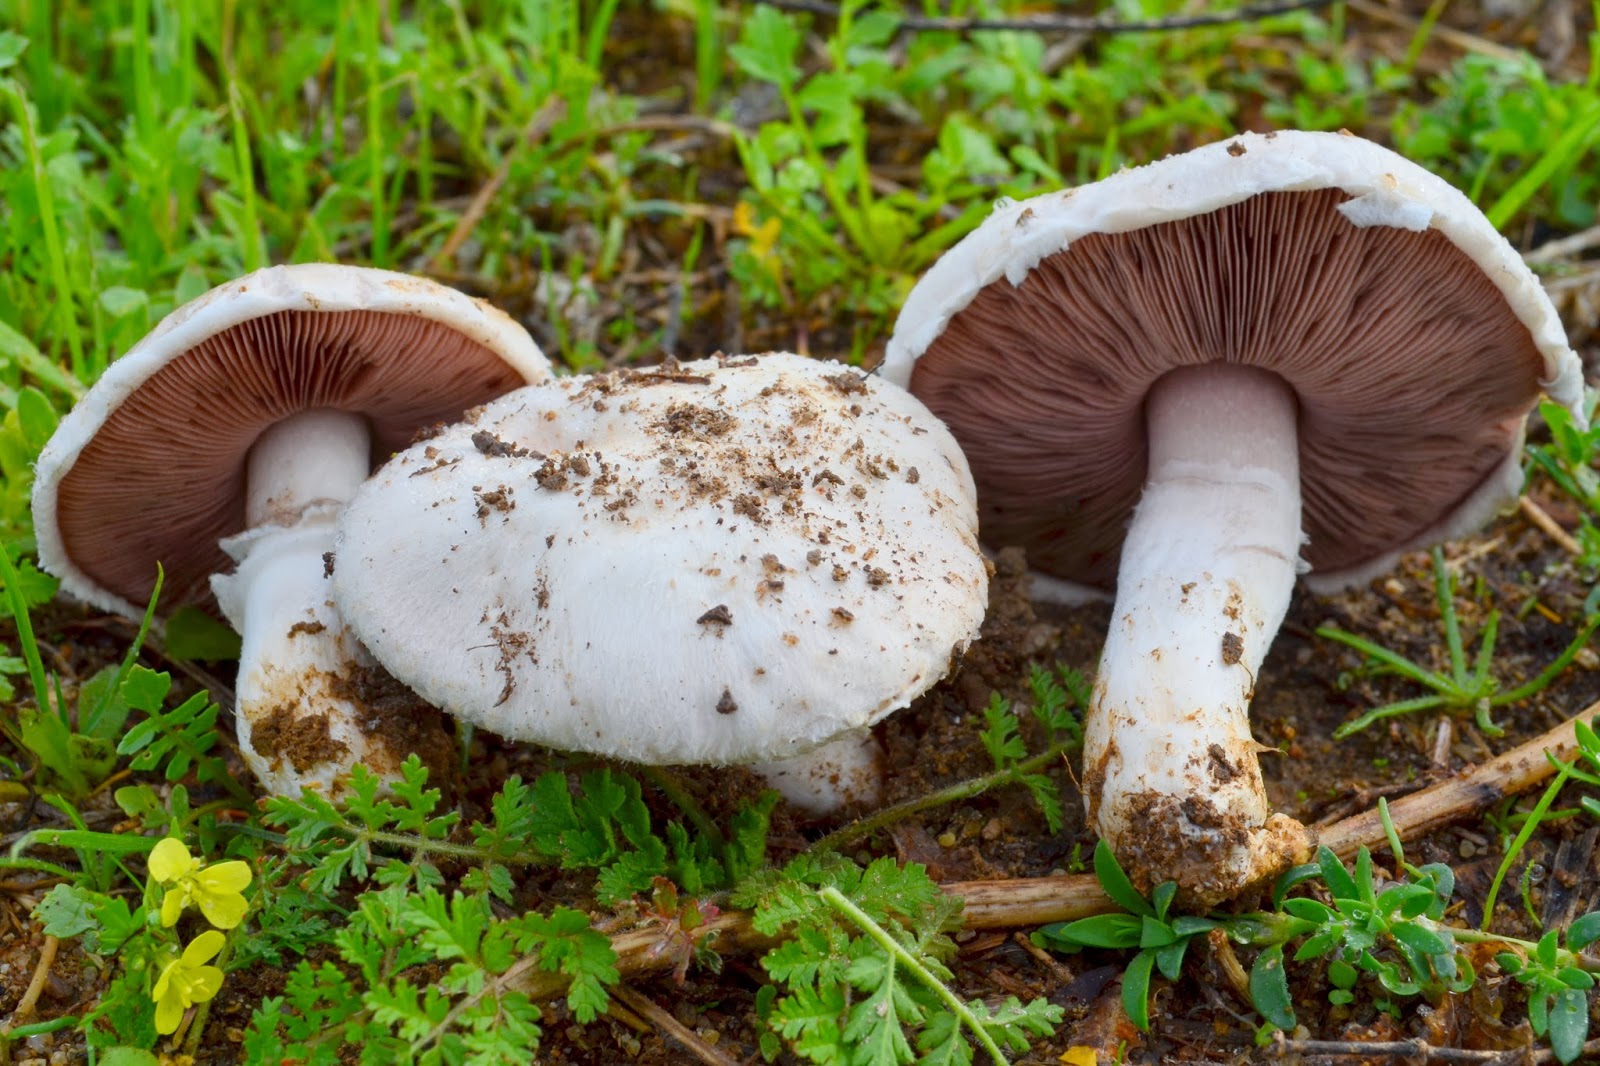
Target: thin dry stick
point(41, 973)
point(1410, 1051)
point(1072, 23)
point(1032, 901)
point(543, 120)
point(1549, 526)
point(1517, 770)
point(1464, 41)
point(645, 1007)
point(1562, 247)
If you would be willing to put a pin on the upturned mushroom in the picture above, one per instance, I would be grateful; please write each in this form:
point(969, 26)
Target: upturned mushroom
point(725, 561)
point(232, 434)
point(1170, 381)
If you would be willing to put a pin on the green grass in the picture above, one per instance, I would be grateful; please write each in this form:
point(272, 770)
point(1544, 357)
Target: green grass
point(626, 177)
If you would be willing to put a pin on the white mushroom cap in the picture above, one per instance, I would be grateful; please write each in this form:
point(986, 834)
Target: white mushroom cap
point(722, 561)
point(149, 466)
point(1319, 256)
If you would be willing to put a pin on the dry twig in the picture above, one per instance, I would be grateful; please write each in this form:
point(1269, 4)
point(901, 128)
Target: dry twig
point(692, 1041)
point(1465, 41)
point(542, 122)
point(1416, 1052)
point(1549, 526)
point(41, 974)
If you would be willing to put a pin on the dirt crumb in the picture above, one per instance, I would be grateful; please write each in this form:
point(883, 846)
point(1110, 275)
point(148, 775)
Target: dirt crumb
point(718, 615)
point(302, 740)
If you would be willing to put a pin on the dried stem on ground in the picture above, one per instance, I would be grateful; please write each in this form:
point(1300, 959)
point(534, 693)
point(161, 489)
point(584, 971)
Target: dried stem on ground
point(1422, 812)
point(1416, 1052)
point(1549, 526)
point(688, 1038)
point(41, 973)
point(1030, 901)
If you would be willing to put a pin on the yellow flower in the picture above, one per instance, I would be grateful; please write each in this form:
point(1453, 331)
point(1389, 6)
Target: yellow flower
point(763, 237)
point(218, 889)
point(187, 980)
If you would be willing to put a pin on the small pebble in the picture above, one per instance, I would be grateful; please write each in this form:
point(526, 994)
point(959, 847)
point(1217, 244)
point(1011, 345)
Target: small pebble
point(1468, 849)
point(1587, 658)
point(947, 839)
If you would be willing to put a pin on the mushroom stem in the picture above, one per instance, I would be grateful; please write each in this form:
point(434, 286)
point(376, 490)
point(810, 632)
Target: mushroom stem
point(846, 770)
point(317, 456)
point(1171, 777)
point(296, 730)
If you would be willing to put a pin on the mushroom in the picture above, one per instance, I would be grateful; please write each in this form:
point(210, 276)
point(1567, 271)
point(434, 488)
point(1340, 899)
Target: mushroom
point(232, 434)
point(723, 561)
point(1168, 381)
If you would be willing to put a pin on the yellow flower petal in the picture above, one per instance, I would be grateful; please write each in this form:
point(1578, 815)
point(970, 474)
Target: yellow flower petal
point(172, 905)
point(164, 982)
point(170, 860)
point(204, 983)
point(225, 877)
point(202, 949)
point(169, 1012)
point(223, 910)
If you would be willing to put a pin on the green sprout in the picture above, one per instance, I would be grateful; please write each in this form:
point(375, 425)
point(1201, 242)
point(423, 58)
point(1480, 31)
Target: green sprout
point(1387, 935)
point(1465, 688)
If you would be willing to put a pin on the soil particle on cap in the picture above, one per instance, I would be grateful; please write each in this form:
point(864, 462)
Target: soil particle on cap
point(912, 475)
point(494, 447)
point(493, 500)
point(557, 471)
point(843, 616)
point(1236, 149)
point(749, 505)
point(327, 564)
point(726, 704)
point(692, 420)
point(309, 629)
point(778, 482)
point(1232, 648)
point(302, 740)
point(718, 615)
point(511, 644)
point(877, 577)
point(847, 383)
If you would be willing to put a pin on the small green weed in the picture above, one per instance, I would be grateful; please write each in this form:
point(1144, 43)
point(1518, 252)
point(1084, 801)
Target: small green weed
point(1464, 689)
point(862, 976)
point(1058, 700)
point(1389, 935)
point(1569, 461)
